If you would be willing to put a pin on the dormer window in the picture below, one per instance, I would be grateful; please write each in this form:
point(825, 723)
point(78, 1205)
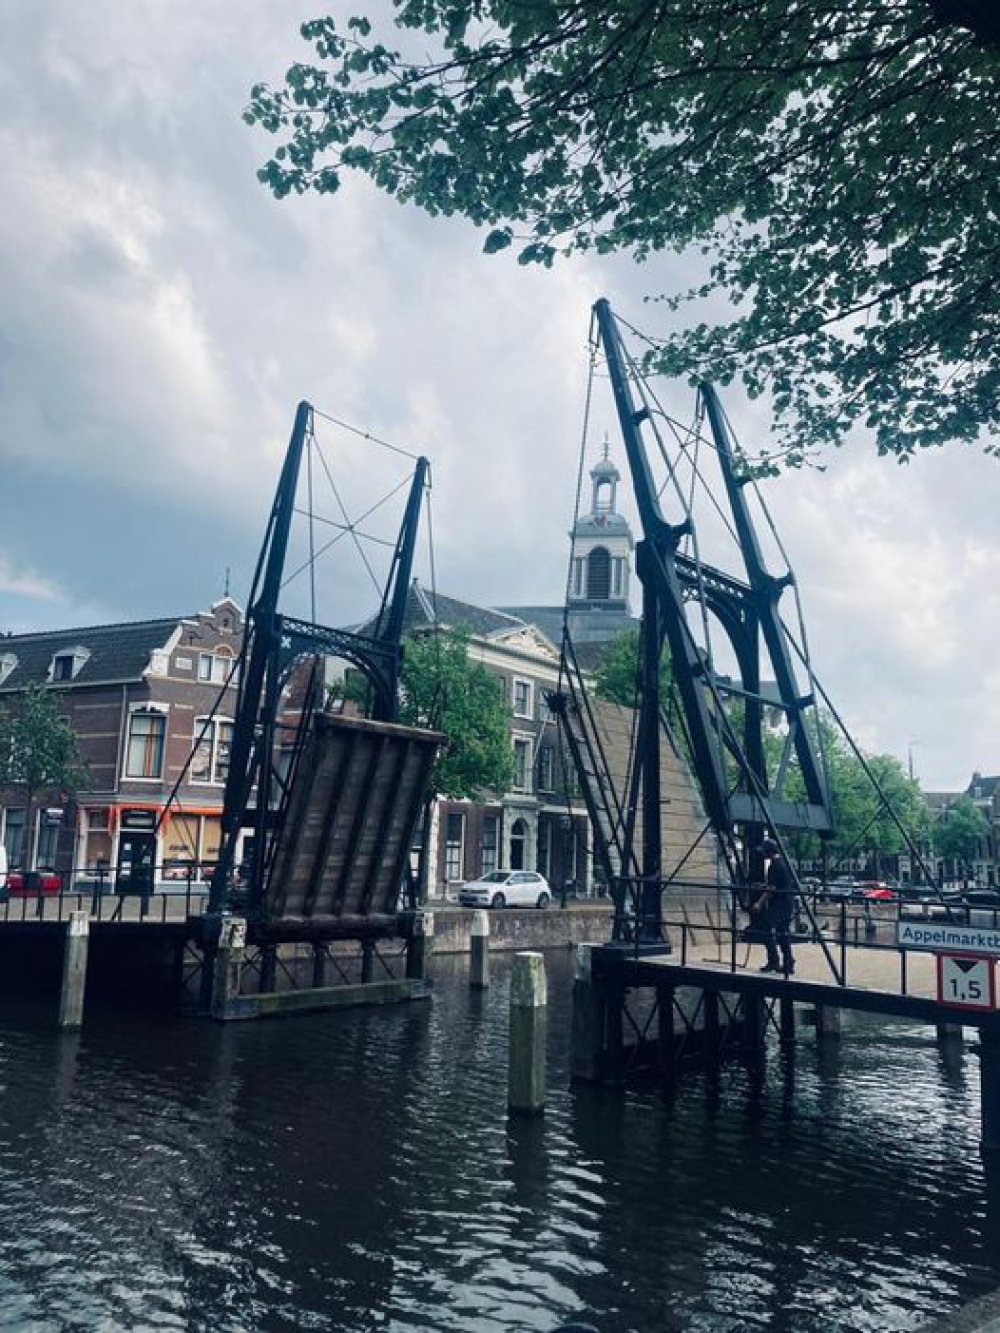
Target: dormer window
point(67, 664)
point(8, 665)
point(214, 668)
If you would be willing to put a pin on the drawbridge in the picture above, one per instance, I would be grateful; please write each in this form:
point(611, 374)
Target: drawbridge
point(320, 807)
point(725, 690)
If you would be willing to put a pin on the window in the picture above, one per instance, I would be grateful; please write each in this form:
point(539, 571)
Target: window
point(8, 665)
point(146, 734)
point(522, 764)
point(214, 667)
point(491, 838)
point(97, 849)
point(544, 846)
point(545, 767)
point(603, 495)
point(47, 839)
point(66, 665)
point(212, 743)
point(13, 837)
point(598, 574)
point(569, 868)
point(518, 839)
point(617, 576)
point(522, 698)
point(453, 839)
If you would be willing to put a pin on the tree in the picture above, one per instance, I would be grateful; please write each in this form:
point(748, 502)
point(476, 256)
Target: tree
point(864, 824)
point(616, 674)
point(441, 688)
point(832, 166)
point(958, 831)
point(38, 753)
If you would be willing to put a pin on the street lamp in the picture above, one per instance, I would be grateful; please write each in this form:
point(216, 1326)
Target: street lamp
point(910, 752)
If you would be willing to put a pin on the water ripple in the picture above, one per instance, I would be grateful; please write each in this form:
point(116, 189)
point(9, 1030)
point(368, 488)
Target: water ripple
point(359, 1171)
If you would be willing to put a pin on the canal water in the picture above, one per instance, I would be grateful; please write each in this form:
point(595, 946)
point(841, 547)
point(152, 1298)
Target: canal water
point(357, 1171)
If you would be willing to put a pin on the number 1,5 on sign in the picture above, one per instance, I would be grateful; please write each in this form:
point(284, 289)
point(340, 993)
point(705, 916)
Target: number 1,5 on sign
point(966, 981)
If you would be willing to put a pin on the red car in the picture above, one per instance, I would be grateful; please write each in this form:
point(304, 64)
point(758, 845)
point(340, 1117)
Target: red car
point(875, 891)
point(42, 882)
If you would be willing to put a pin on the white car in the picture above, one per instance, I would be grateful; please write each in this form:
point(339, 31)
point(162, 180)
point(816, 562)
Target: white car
point(507, 888)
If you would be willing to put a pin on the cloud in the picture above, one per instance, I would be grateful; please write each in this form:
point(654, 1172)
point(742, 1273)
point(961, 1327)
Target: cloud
point(21, 582)
point(163, 316)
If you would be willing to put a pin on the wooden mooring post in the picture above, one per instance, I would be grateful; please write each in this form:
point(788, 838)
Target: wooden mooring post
point(420, 945)
point(74, 976)
point(228, 959)
point(528, 1021)
point(479, 951)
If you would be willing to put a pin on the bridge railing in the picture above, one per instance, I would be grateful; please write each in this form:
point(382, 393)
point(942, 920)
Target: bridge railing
point(685, 912)
point(165, 891)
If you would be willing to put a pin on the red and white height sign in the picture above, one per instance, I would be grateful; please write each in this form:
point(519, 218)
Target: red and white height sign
point(966, 981)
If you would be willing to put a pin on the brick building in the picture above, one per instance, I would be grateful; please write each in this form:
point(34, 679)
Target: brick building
point(537, 824)
point(137, 695)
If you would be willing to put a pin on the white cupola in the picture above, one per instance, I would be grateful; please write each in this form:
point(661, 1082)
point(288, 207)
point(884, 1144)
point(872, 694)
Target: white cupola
point(602, 544)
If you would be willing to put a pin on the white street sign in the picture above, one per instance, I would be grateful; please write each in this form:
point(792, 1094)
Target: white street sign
point(966, 982)
point(937, 936)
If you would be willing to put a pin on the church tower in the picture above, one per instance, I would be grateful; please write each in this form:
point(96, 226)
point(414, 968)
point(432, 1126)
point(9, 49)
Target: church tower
point(602, 547)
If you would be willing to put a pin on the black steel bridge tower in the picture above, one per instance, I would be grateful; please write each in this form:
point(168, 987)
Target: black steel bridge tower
point(259, 779)
point(722, 719)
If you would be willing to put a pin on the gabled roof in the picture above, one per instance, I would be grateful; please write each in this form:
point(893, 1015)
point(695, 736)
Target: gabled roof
point(117, 652)
point(983, 788)
point(424, 609)
point(588, 625)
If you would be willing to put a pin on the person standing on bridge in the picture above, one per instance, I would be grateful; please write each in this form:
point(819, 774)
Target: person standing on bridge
point(776, 911)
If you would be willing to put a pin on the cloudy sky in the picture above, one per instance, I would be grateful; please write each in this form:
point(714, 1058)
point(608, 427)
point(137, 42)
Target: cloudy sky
point(162, 315)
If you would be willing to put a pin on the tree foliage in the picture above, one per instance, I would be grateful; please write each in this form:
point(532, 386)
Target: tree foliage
point(616, 673)
point(866, 825)
point(863, 822)
point(959, 829)
point(39, 752)
point(441, 688)
point(834, 165)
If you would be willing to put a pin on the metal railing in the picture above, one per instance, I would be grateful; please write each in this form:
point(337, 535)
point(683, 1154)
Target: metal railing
point(168, 891)
point(841, 925)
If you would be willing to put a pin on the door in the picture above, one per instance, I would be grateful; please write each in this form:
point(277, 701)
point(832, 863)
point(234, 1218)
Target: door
point(518, 838)
point(136, 852)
